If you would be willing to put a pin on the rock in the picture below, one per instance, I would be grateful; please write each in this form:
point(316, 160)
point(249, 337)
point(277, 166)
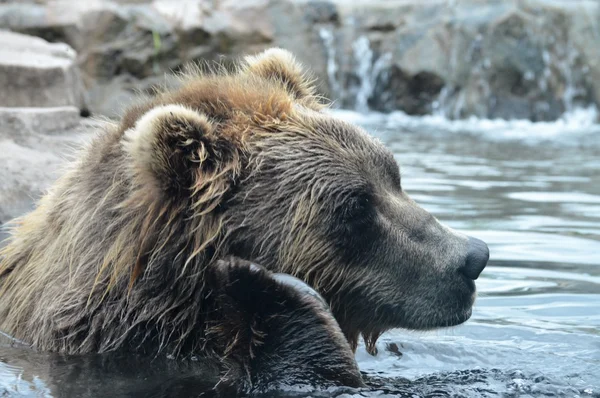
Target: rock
point(25, 174)
point(37, 120)
point(58, 24)
point(304, 27)
point(35, 73)
point(30, 163)
point(39, 105)
point(532, 59)
point(128, 44)
point(413, 94)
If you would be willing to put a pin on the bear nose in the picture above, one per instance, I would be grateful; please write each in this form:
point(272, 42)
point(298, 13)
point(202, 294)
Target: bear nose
point(477, 258)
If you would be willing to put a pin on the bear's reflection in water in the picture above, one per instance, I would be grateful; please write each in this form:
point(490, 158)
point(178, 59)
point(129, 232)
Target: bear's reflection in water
point(102, 375)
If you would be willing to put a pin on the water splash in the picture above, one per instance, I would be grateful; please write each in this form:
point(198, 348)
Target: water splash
point(367, 70)
point(452, 100)
point(440, 106)
point(580, 121)
point(555, 81)
point(561, 63)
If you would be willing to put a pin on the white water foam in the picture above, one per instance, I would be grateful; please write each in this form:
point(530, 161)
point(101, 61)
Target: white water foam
point(578, 121)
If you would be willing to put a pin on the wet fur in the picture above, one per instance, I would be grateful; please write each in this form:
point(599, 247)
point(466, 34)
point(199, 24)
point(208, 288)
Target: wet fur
point(242, 163)
point(110, 221)
point(112, 255)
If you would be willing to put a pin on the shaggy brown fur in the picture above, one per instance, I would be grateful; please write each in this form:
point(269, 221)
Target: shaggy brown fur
point(137, 200)
point(243, 163)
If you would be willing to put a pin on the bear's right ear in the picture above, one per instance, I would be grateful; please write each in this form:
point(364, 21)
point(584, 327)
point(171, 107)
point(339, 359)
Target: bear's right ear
point(280, 66)
point(176, 149)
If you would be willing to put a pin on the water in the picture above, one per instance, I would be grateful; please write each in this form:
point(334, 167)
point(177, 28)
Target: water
point(531, 191)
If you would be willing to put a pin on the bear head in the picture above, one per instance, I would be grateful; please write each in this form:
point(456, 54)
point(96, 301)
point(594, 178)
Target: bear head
point(258, 169)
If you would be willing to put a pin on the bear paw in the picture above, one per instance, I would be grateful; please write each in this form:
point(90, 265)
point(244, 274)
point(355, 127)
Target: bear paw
point(274, 330)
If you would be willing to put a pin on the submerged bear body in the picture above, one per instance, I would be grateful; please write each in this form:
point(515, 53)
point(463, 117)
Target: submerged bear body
point(136, 246)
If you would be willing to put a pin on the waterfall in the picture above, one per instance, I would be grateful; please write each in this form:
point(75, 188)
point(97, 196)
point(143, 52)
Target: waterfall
point(366, 68)
point(478, 66)
point(441, 106)
point(368, 71)
point(571, 91)
point(364, 64)
point(562, 62)
point(328, 39)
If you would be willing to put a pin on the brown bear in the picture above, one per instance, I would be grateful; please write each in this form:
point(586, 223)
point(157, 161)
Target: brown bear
point(126, 250)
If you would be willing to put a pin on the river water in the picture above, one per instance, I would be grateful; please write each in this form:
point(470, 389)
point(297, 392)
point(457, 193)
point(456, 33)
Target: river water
point(532, 192)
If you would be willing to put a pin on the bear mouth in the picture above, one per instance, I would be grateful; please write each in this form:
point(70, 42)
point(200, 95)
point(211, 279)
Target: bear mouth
point(454, 310)
point(370, 337)
point(444, 320)
point(458, 318)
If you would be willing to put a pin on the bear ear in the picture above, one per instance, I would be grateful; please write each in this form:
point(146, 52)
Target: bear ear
point(281, 66)
point(177, 150)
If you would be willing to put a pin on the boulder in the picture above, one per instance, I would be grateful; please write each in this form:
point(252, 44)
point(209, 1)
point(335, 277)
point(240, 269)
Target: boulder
point(40, 105)
point(57, 23)
point(35, 73)
point(127, 45)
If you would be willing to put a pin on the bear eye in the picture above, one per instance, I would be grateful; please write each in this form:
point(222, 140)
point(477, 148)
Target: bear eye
point(355, 208)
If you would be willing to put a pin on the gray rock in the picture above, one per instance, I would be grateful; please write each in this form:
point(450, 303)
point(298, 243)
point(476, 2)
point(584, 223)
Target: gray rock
point(30, 163)
point(531, 59)
point(490, 58)
point(19, 122)
point(58, 23)
point(125, 45)
point(35, 73)
point(304, 27)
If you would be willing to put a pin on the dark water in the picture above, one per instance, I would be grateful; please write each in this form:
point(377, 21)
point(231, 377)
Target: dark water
point(531, 191)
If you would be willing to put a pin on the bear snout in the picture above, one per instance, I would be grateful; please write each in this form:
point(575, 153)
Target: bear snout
point(478, 255)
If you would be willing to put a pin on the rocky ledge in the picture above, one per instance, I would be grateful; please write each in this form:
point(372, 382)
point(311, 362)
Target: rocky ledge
point(525, 59)
point(40, 104)
point(533, 59)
